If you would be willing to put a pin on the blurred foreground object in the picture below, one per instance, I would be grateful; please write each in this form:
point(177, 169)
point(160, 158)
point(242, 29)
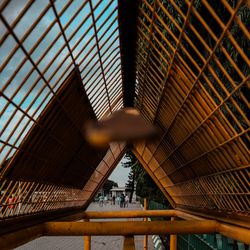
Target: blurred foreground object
point(123, 125)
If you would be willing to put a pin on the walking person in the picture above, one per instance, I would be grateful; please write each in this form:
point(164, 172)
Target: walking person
point(11, 201)
point(122, 202)
point(101, 201)
point(105, 200)
point(118, 199)
point(113, 199)
point(126, 201)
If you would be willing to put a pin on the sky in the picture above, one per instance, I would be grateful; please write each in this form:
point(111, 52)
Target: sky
point(34, 102)
point(120, 175)
point(14, 125)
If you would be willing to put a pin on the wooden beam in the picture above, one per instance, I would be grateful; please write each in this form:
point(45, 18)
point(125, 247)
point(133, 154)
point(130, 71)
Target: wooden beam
point(234, 232)
point(16, 238)
point(130, 228)
point(147, 228)
point(139, 214)
point(129, 214)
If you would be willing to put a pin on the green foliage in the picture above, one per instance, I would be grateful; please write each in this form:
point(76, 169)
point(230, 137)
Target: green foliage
point(221, 77)
point(136, 169)
point(109, 184)
point(146, 188)
point(140, 181)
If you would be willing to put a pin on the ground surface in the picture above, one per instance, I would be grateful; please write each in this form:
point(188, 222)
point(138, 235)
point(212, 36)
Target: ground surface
point(97, 242)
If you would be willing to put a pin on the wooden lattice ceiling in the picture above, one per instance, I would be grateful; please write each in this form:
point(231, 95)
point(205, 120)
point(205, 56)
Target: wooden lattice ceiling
point(193, 83)
point(44, 156)
point(183, 64)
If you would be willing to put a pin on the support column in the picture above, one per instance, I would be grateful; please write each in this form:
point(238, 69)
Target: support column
point(173, 239)
point(87, 240)
point(129, 243)
point(145, 219)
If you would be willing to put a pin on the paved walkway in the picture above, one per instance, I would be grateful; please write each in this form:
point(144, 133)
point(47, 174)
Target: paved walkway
point(97, 242)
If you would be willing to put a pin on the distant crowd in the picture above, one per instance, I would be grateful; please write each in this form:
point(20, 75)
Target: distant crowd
point(122, 200)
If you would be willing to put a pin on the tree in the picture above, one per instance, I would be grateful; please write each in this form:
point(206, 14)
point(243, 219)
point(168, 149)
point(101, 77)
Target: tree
point(108, 185)
point(136, 169)
point(140, 181)
point(147, 188)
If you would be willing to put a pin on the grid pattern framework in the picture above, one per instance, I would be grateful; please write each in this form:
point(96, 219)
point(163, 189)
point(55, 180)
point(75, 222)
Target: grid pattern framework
point(193, 73)
point(192, 82)
point(41, 43)
point(33, 197)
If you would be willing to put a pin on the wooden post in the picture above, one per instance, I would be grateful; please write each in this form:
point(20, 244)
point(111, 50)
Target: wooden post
point(145, 219)
point(173, 239)
point(129, 243)
point(87, 240)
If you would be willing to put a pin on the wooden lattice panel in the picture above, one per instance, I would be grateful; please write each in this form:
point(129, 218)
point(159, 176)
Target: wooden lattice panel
point(55, 151)
point(193, 73)
point(42, 156)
